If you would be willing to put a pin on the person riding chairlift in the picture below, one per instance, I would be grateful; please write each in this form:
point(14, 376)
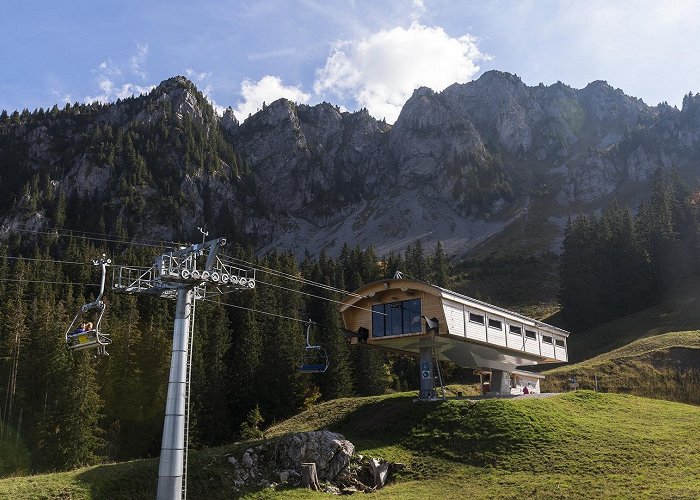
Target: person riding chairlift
point(81, 329)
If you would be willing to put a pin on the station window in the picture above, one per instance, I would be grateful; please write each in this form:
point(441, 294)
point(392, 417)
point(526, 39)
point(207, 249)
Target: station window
point(515, 330)
point(396, 318)
point(476, 318)
point(494, 323)
point(546, 339)
point(560, 342)
point(529, 334)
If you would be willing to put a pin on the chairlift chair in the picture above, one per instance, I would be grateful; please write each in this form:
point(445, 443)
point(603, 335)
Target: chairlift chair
point(93, 338)
point(315, 359)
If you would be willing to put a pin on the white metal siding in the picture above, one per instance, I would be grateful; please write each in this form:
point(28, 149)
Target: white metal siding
point(560, 352)
point(514, 340)
point(476, 331)
point(454, 314)
point(497, 336)
point(548, 349)
point(532, 345)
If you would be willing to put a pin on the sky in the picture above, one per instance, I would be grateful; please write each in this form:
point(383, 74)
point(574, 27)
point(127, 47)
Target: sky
point(351, 53)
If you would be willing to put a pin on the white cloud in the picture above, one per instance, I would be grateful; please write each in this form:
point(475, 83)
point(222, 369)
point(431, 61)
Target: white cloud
point(137, 61)
point(418, 10)
point(111, 91)
point(111, 83)
point(109, 68)
point(381, 72)
point(271, 54)
point(197, 77)
point(268, 89)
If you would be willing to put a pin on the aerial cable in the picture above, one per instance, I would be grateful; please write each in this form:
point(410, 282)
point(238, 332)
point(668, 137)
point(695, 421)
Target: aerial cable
point(255, 311)
point(317, 296)
point(101, 237)
point(294, 278)
point(108, 239)
point(46, 260)
point(48, 282)
point(290, 276)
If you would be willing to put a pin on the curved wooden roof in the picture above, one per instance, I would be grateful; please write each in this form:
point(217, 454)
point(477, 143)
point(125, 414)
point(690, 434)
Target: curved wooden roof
point(369, 290)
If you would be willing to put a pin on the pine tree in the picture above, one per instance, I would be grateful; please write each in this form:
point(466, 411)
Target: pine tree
point(440, 266)
point(580, 285)
point(250, 429)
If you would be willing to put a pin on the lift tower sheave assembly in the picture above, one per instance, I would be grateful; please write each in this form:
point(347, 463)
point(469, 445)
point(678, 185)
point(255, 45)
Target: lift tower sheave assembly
point(185, 275)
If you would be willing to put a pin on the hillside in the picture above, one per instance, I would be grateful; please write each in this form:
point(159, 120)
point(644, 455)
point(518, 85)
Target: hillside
point(664, 366)
point(677, 311)
point(576, 445)
point(490, 162)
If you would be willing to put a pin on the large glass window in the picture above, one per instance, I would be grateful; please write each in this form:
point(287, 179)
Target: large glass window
point(396, 318)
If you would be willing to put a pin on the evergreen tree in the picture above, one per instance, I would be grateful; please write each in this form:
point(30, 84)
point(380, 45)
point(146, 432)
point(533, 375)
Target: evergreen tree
point(580, 285)
point(440, 266)
point(416, 264)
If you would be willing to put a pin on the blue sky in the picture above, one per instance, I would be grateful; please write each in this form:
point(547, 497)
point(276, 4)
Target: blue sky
point(354, 53)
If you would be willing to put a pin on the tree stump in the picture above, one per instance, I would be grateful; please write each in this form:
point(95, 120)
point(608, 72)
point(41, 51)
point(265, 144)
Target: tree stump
point(309, 477)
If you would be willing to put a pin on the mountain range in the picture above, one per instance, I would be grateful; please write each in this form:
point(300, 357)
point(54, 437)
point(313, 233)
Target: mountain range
point(492, 163)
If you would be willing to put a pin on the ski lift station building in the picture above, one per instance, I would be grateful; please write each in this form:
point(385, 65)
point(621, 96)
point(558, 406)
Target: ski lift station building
point(437, 324)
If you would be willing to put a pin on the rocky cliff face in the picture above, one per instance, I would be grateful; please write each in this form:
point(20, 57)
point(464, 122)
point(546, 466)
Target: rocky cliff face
point(461, 165)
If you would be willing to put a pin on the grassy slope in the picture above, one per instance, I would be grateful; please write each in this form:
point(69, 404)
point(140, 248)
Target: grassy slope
point(576, 445)
point(654, 352)
point(665, 366)
point(679, 311)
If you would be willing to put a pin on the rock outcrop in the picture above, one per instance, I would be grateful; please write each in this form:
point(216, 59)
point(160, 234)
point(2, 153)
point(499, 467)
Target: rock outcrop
point(279, 462)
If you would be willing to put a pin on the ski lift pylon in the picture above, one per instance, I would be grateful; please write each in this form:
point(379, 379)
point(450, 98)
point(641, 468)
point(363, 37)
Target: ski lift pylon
point(315, 358)
point(80, 338)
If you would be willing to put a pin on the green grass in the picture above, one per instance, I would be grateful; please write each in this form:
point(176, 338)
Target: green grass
point(664, 366)
point(576, 445)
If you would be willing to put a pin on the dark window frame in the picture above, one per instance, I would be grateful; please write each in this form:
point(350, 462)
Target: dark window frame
point(530, 334)
point(511, 327)
point(483, 318)
point(545, 341)
point(559, 342)
point(500, 324)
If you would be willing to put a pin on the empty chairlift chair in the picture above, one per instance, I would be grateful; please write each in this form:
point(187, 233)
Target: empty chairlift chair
point(315, 359)
point(78, 338)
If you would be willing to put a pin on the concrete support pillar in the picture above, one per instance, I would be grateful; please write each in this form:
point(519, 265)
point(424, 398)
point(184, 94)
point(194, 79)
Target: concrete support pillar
point(500, 382)
point(427, 378)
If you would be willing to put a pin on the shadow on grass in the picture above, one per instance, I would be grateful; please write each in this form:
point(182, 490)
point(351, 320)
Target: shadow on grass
point(128, 480)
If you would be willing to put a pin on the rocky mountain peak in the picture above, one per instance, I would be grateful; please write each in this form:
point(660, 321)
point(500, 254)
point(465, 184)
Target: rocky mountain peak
point(229, 122)
point(457, 165)
point(606, 103)
point(184, 99)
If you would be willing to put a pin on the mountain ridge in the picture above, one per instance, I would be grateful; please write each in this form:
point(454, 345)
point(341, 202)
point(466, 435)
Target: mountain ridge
point(460, 165)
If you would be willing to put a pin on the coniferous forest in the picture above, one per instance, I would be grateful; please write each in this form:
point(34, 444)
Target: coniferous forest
point(62, 408)
point(617, 263)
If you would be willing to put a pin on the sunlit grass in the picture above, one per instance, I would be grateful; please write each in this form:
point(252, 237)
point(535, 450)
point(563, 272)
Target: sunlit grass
point(576, 445)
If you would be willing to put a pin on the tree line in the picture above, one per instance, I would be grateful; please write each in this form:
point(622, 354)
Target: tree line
point(616, 263)
point(62, 409)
